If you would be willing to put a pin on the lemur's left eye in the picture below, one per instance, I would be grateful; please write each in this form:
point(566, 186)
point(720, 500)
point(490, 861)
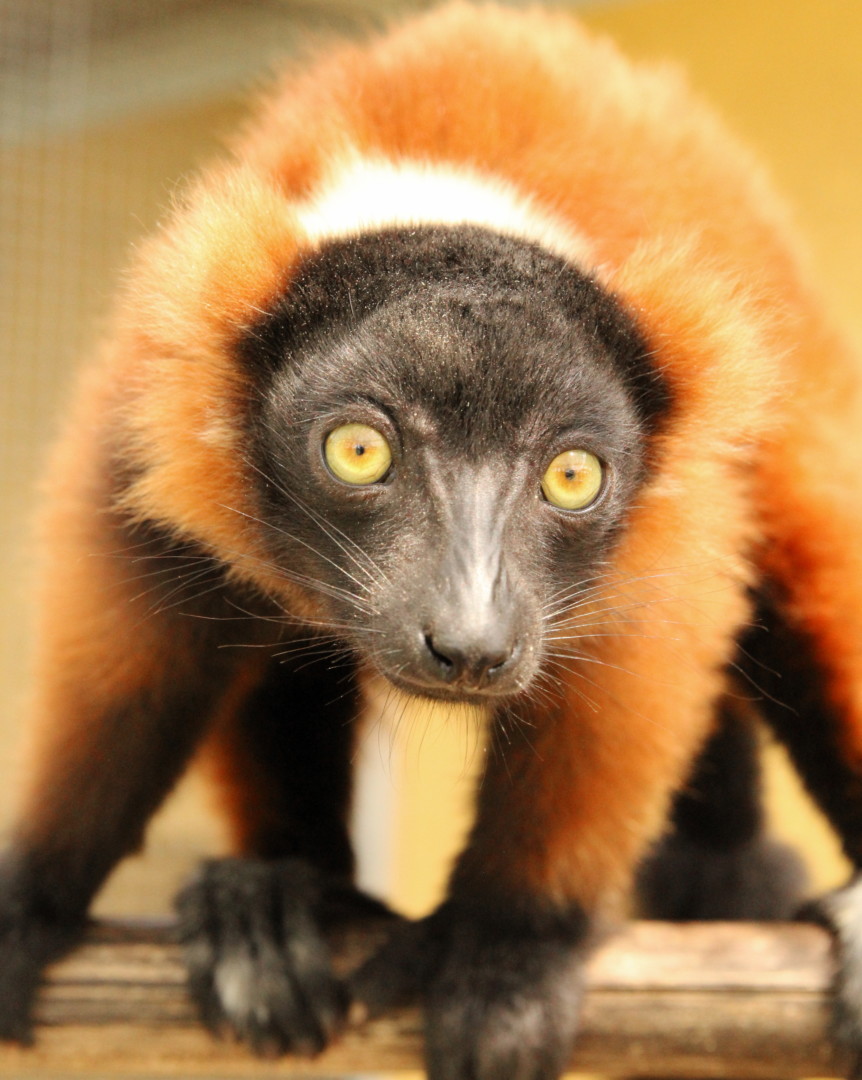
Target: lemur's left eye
point(357, 454)
point(573, 480)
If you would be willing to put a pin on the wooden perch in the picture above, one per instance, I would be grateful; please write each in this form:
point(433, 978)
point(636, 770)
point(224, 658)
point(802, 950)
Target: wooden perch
point(698, 1000)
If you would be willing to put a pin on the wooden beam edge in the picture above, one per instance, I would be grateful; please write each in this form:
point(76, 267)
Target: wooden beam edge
point(691, 1000)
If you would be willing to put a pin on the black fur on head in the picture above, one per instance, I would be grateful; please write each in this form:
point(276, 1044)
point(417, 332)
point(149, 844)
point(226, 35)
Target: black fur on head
point(480, 358)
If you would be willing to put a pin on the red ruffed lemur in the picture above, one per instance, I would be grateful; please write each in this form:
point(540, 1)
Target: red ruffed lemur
point(488, 363)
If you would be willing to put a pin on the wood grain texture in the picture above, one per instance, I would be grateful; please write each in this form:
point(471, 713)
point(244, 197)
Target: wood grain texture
point(696, 1000)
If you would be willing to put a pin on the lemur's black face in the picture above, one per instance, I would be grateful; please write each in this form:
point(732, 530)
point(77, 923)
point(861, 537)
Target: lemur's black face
point(453, 426)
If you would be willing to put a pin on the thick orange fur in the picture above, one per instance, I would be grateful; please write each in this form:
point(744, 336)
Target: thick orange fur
point(751, 470)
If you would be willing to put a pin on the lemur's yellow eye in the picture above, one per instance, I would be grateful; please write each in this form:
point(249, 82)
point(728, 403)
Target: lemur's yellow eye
point(573, 480)
point(357, 454)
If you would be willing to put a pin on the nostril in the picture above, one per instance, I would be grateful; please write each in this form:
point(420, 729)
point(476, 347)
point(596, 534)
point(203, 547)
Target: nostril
point(447, 663)
point(494, 663)
point(488, 667)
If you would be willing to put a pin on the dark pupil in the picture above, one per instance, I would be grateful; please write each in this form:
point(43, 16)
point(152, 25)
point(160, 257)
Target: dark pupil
point(359, 450)
point(570, 474)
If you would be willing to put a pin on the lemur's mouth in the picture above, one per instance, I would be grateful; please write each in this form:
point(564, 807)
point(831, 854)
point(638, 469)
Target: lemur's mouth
point(454, 691)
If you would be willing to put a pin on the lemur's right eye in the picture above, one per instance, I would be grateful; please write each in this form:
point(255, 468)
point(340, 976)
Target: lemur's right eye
point(357, 454)
point(573, 480)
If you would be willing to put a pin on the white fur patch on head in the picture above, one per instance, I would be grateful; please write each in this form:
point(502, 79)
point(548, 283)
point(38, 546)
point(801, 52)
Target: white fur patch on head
point(366, 195)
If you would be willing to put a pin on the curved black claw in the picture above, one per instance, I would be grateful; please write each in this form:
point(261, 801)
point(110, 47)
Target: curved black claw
point(258, 965)
point(501, 997)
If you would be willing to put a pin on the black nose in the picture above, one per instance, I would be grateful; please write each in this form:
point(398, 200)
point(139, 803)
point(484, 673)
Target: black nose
point(473, 664)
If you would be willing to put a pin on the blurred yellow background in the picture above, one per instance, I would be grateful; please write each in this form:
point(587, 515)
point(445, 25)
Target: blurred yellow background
point(77, 185)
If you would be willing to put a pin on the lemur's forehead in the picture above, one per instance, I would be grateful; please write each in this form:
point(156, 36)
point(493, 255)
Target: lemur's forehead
point(459, 319)
point(486, 362)
point(451, 289)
